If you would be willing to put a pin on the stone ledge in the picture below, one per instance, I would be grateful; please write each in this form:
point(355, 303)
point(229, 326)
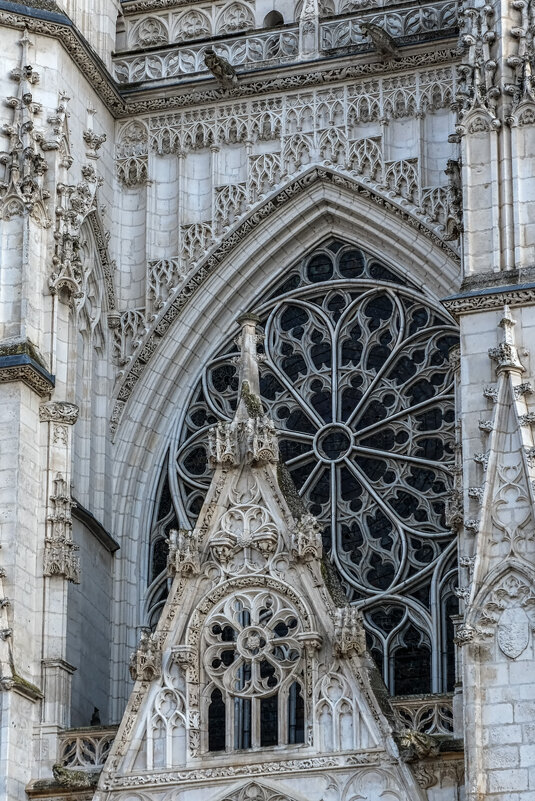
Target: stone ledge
point(94, 526)
point(493, 297)
point(20, 361)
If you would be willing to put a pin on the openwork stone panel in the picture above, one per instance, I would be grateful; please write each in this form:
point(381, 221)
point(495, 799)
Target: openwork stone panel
point(356, 377)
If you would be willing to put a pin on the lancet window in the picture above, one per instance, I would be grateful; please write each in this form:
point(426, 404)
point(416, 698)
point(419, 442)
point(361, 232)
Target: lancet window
point(356, 377)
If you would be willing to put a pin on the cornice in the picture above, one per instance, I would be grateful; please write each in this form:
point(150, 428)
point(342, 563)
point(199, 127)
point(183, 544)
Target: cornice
point(60, 27)
point(222, 249)
point(124, 102)
point(22, 367)
point(495, 297)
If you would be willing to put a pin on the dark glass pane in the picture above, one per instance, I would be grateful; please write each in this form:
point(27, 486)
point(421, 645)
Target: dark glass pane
point(319, 268)
point(451, 608)
point(296, 715)
point(160, 550)
point(269, 721)
point(412, 665)
point(216, 722)
point(165, 500)
point(242, 723)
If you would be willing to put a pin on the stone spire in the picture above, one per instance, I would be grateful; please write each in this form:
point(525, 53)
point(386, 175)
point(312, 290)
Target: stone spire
point(249, 403)
point(250, 437)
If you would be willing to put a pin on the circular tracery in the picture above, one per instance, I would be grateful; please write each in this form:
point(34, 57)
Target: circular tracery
point(356, 377)
point(250, 644)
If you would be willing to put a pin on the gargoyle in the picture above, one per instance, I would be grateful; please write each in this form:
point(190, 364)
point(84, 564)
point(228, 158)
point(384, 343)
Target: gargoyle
point(414, 745)
point(220, 68)
point(382, 41)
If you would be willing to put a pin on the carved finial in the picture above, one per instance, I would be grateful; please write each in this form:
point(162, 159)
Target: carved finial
point(506, 354)
point(251, 436)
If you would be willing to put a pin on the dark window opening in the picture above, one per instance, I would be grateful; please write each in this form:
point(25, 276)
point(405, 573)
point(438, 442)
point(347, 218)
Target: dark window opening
point(216, 722)
point(273, 19)
point(269, 721)
point(296, 715)
point(412, 665)
point(242, 723)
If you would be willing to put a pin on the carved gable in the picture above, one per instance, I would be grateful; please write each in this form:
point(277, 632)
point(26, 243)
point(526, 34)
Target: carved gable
point(251, 657)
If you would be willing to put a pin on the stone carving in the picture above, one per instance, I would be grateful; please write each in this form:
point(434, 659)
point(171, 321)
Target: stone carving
point(94, 142)
point(247, 536)
point(146, 662)
point(127, 335)
point(454, 219)
point(58, 412)
point(306, 539)
point(230, 203)
point(477, 89)
point(235, 17)
point(340, 724)
point(255, 438)
point(194, 24)
point(131, 155)
point(381, 40)
point(522, 62)
point(74, 205)
point(416, 745)
point(22, 190)
point(149, 32)
point(84, 749)
point(220, 68)
point(349, 634)
point(183, 557)
point(60, 551)
point(509, 614)
point(59, 139)
point(253, 791)
point(163, 275)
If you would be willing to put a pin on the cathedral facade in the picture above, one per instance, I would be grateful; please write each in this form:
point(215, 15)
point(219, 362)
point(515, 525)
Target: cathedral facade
point(267, 381)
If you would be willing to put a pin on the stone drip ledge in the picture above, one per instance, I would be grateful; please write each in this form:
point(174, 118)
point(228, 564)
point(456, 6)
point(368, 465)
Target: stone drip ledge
point(21, 361)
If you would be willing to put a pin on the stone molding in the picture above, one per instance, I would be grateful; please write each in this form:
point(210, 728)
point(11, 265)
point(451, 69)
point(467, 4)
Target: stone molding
point(224, 247)
point(495, 298)
point(21, 367)
point(291, 766)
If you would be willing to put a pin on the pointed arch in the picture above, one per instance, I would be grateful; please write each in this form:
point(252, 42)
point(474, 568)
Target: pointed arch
point(234, 274)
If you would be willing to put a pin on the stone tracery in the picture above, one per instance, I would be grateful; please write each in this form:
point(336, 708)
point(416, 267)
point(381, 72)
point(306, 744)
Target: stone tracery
point(356, 378)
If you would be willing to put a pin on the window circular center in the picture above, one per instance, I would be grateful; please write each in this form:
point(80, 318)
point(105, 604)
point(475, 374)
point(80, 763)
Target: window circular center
point(334, 442)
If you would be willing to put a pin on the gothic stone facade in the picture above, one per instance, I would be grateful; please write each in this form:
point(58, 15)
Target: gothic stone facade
point(288, 555)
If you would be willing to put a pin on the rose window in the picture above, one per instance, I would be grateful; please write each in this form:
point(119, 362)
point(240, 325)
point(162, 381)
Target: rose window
point(252, 659)
point(250, 646)
point(356, 377)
